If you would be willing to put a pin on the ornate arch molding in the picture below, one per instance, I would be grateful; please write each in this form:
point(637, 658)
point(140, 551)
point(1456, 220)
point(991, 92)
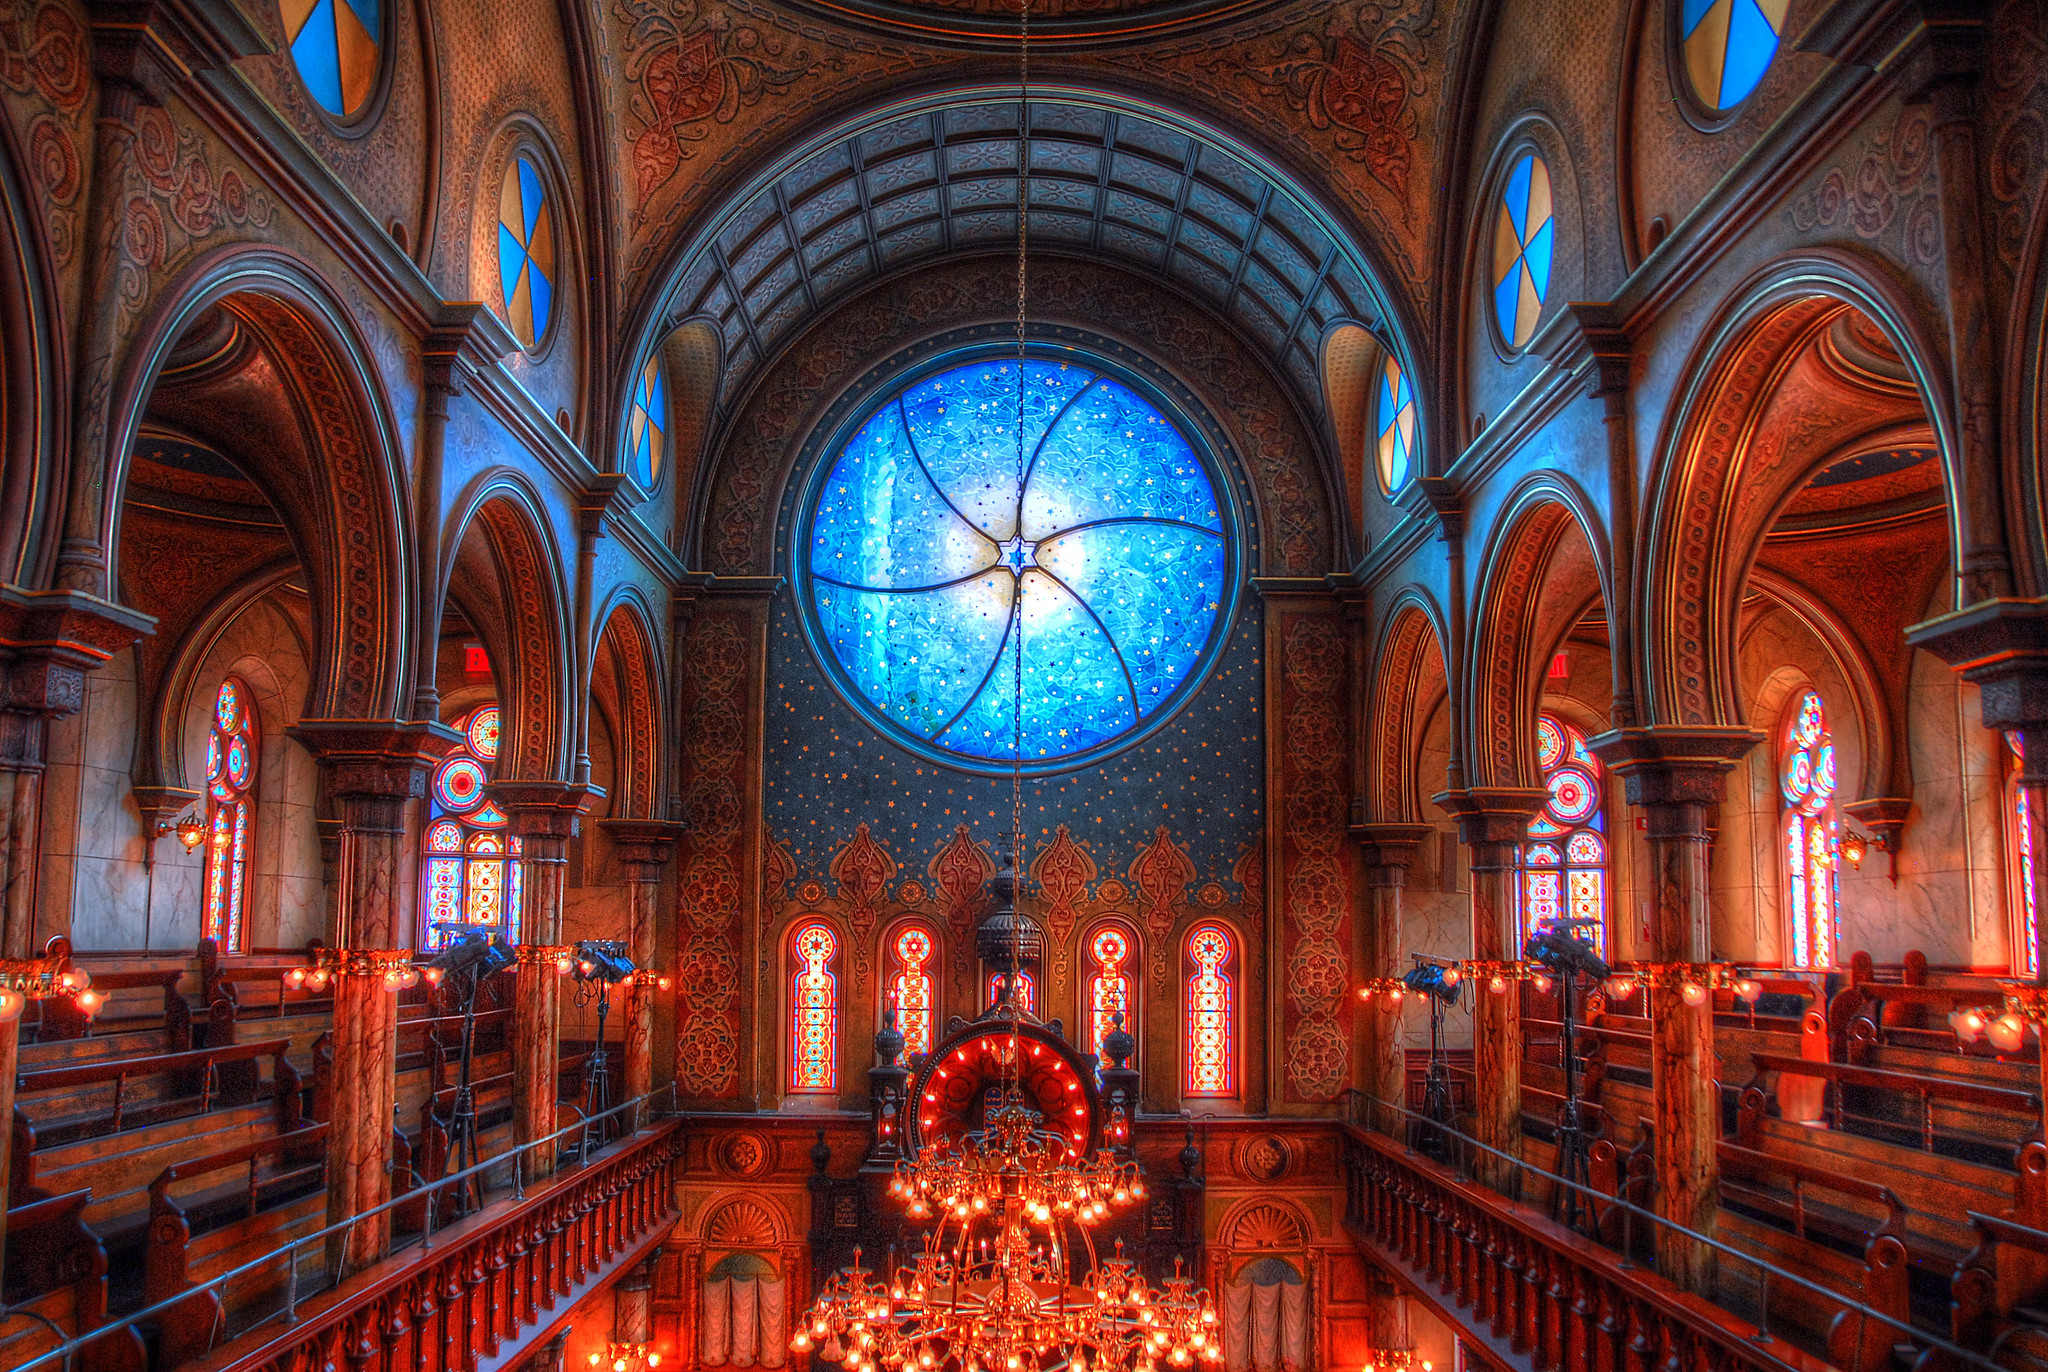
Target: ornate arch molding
point(1501, 685)
point(35, 423)
point(531, 631)
point(799, 188)
point(1880, 720)
point(1258, 431)
point(160, 750)
point(358, 559)
point(1694, 561)
point(1413, 636)
point(2027, 439)
point(1266, 1224)
point(627, 639)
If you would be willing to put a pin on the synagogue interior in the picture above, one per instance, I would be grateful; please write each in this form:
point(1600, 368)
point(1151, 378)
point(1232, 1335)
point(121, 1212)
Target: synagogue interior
point(575, 794)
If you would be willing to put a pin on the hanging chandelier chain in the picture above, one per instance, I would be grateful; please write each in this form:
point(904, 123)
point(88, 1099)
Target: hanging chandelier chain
point(1023, 279)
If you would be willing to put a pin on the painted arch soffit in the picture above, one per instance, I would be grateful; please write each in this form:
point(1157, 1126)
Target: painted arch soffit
point(908, 189)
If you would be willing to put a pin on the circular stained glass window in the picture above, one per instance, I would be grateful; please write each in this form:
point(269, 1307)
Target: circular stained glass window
point(645, 425)
point(931, 585)
point(526, 251)
point(483, 732)
point(1728, 45)
point(1524, 237)
point(459, 785)
point(335, 45)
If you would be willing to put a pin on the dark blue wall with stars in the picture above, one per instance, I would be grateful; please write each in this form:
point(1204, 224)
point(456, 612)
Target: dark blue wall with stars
point(1201, 774)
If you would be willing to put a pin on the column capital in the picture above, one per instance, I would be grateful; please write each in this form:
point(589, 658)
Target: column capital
point(1665, 765)
point(384, 759)
point(1390, 848)
point(1492, 814)
point(544, 809)
point(2001, 647)
point(643, 843)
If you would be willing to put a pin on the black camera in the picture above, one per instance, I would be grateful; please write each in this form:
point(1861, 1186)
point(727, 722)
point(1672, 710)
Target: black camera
point(473, 951)
point(1564, 952)
point(1430, 979)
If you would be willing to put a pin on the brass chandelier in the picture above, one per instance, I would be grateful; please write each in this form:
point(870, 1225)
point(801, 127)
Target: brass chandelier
point(1009, 1279)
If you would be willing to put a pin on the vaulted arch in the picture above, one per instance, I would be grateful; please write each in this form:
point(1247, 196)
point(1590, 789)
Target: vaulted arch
point(1408, 674)
point(627, 683)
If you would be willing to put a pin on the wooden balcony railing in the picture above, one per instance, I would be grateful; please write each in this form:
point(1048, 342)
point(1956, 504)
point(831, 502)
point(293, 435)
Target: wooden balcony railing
point(1539, 1295)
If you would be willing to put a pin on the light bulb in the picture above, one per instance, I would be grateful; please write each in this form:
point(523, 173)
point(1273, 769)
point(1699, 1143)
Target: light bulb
point(618, 1365)
point(594, 1357)
point(1693, 994)
point(2007, 1032)
point(654, 1359)
point(1499, 986)
point(1453, 975)
point(89, 1002)
point(12, 1002)
point(295, 978)
point(1541, 983)
point(1365, 993)
point(1748, 989)
point(1970, 1025)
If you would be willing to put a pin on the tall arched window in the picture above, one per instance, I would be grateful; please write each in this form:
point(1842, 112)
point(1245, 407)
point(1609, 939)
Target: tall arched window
point(910, 986)
point(814, 1009)
point(1210, 1035)
point(230, 813)
point(472, 858)
point(2027, 923)
point(1109, 989)
point(1027, 990)
point(1564, 863)
point(1806, 775)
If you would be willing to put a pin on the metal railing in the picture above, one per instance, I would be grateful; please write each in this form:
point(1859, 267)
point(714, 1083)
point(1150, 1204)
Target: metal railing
point(432, 1189)
point(1469, 1150)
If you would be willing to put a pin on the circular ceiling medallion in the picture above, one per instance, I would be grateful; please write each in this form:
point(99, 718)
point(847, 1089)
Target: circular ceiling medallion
point(993, 23)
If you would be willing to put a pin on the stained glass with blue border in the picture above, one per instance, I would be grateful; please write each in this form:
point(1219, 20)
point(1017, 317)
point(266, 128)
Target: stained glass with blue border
point(1728, 45)
point(929, 571)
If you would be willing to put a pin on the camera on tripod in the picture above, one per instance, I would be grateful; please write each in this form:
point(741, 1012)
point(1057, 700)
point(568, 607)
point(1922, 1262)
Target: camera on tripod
point(1556, 947)
point(472, 953)
point(1435, 980)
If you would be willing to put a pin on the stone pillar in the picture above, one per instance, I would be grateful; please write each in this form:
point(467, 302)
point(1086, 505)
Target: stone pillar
point(49, 640)
point(1491, 823)
point(632, 1311)
point(2001, 647)
point(544, 815)
point(373, 768)
point(1388, 850)
point(1672, 775)
point(642, 846)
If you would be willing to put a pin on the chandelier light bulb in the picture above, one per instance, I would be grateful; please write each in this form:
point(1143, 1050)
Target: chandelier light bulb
point(1693, 994)
point(1542, 984)
point(1499, 985)
point(12, 1002)
point(1747, 989)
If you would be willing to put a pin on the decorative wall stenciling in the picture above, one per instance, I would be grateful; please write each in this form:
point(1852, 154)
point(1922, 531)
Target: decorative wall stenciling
point(1064, 872)
point(709, 933)
point(1314, 855)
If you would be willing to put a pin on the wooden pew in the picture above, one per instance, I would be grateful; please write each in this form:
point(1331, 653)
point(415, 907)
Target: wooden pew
point(160, 1010)
point(57, 1269)
point(272, 1208)
point(176, 1081)
point(1997, 1295)
point(1999, 1113)
point(1854, 1341)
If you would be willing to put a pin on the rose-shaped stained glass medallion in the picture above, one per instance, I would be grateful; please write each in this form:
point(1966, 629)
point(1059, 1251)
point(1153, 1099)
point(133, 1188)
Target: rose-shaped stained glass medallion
point(927, 574)
point(460, 785)
point(483, 732)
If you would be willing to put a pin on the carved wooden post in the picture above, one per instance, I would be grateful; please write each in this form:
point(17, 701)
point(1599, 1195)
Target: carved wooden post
point(1491, 822)
point(372, 769)
point(544, 814)
point(642, 846)
point(1672, 776)
point(1388, 851)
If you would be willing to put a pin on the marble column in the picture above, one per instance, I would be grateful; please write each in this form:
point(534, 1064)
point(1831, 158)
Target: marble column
point(372, 770)
point(632, 1307)
point(544, 816)
point(642, 847)
point(1387, 850)
point(1491, 824)
point(49, 640)
point(1672, 776)
point(2001, 647)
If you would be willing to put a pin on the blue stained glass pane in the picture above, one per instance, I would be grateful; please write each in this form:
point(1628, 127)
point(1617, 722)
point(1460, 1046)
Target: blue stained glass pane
point(1537, 254)
point(511, 257)
point(318, 60)
point(1751, 45)
point(366, 10)
point(1518, 195)
point(1507, 298)
point(543, 292)
point(1691, 13)
point(923, 580)
point(531, 196)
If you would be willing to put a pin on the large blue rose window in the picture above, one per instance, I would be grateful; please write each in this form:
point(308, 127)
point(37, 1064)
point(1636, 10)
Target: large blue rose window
point(927, 575)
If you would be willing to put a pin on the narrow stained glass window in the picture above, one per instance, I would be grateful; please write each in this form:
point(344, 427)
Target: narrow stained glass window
point(2027, 931)
point(231, 761)
point(926, 571)
point(471, 858)
point(910, 989)
point(1728, 45)
point(647, 424)
point(814, 1010)
point(1027, 990)
point(1395, 411)
point(1210, 1046)
point(526, 251)
point(1564, 861)
point(1524, 238)
point(1811, 835)
point(1108, 990)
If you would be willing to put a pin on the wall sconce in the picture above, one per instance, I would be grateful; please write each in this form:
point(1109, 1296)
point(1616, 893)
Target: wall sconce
point(190, 828)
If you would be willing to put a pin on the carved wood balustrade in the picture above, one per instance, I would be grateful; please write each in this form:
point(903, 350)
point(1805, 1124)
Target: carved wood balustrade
point(1534, 1294)
point(492, 1287)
